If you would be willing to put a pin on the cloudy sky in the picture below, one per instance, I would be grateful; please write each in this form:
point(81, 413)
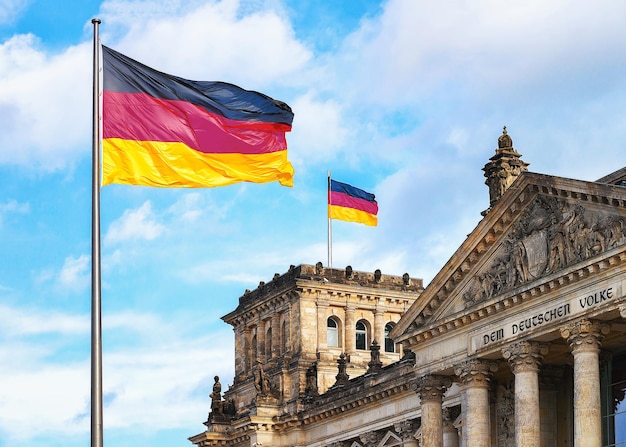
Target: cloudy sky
point(402, 98)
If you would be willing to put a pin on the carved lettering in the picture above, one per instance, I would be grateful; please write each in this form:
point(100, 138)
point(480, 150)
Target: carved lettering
point(541, 318)
point(596, 298)
point(493, 336)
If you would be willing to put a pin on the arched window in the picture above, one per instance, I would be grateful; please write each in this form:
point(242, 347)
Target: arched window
point(361, 335)
point(284, 339)
point(332, 333)
point(254, 349)
point(268, 343)
point(390, 346)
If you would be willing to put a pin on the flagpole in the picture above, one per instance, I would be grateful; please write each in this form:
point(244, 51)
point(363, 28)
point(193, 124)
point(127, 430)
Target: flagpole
point(330, 228)
point(96, 299)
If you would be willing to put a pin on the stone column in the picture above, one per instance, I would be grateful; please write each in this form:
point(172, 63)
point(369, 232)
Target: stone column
point(350, 331)
point(525, 359)
point(584, 337)
point(475, 375)
point(379, 327)
point(322, 326)
point(406, 430)
point(430, 390)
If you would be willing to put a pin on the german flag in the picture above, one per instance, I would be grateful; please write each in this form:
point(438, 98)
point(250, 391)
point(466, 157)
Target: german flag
point(162, 130)
point(345, 202)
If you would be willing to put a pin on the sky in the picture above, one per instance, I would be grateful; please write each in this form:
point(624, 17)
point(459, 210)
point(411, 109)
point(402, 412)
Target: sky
point(404, 99)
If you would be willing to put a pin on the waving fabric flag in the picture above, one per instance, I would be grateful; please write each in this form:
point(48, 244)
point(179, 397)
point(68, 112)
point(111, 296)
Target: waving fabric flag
point(162, 130)
point(345, 202)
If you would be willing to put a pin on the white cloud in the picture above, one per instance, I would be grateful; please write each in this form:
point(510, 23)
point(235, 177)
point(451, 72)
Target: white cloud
point(76, 273)
point(209, 41)
point(22, 322)
point(320, 130)
point(156, 377)
point(13, 206)
point(134, 224)
point(10, 9)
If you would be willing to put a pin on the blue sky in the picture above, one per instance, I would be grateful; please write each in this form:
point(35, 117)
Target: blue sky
point(404, 99)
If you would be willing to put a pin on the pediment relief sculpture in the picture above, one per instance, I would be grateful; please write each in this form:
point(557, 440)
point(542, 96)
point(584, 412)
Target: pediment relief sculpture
point(552, 234)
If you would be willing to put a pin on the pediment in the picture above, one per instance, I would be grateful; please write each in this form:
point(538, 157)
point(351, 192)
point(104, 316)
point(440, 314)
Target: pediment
point(541, 230)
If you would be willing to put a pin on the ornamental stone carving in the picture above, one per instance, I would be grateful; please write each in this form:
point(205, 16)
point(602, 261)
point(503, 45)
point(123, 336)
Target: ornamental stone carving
point(370, 439)
point(551, 234)
point(432, 387)
point(525, 355)
point(476, 371)
point(503, 168)
point(505, 415)
point(406, 429)
point(585, 334)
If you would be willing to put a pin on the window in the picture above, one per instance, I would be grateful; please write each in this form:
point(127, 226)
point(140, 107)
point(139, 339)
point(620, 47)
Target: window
point(254, 349)
point(361, 335)
point(332, 333)
point(613, 384)
point(390, 346)
point(283, 337)
point(268, 343)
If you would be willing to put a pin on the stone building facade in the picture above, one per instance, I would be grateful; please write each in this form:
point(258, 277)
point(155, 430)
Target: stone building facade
point(519, 340)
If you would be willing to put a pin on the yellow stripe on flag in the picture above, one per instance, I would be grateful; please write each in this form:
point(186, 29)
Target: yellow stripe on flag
point(352, 215)
point(155, 163)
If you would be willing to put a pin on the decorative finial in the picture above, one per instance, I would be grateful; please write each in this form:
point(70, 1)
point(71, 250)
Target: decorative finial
point(505, 141)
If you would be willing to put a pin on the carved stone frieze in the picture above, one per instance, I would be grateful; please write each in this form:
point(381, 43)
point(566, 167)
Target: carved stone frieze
point(552, 234)
point(505, 414)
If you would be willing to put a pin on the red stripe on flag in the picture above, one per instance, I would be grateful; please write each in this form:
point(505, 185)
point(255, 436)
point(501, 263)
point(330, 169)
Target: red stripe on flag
point(340, 199)
point(141, 117)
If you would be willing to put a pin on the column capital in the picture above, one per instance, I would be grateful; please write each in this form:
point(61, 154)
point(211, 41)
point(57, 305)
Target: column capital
point(585, 335)
point(406, 429)
point(370, 439)
point(431, 388)
point(525, 355)
point(476, 371)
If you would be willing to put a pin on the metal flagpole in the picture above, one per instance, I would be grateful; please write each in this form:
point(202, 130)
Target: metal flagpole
point(330, 228)
point(96, 301)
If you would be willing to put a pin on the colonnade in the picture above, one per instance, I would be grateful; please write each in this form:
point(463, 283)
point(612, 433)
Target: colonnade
point(525, 359)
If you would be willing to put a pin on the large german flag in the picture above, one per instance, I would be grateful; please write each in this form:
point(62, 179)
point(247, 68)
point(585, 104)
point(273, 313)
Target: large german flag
point(162, 130)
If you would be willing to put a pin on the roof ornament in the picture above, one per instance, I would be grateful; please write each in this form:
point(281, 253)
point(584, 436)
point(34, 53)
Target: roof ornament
point(502, 169)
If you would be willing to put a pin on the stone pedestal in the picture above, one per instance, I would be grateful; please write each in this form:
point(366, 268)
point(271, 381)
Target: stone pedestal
point(475, 376)
point(584, 338)
point(525, 359)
